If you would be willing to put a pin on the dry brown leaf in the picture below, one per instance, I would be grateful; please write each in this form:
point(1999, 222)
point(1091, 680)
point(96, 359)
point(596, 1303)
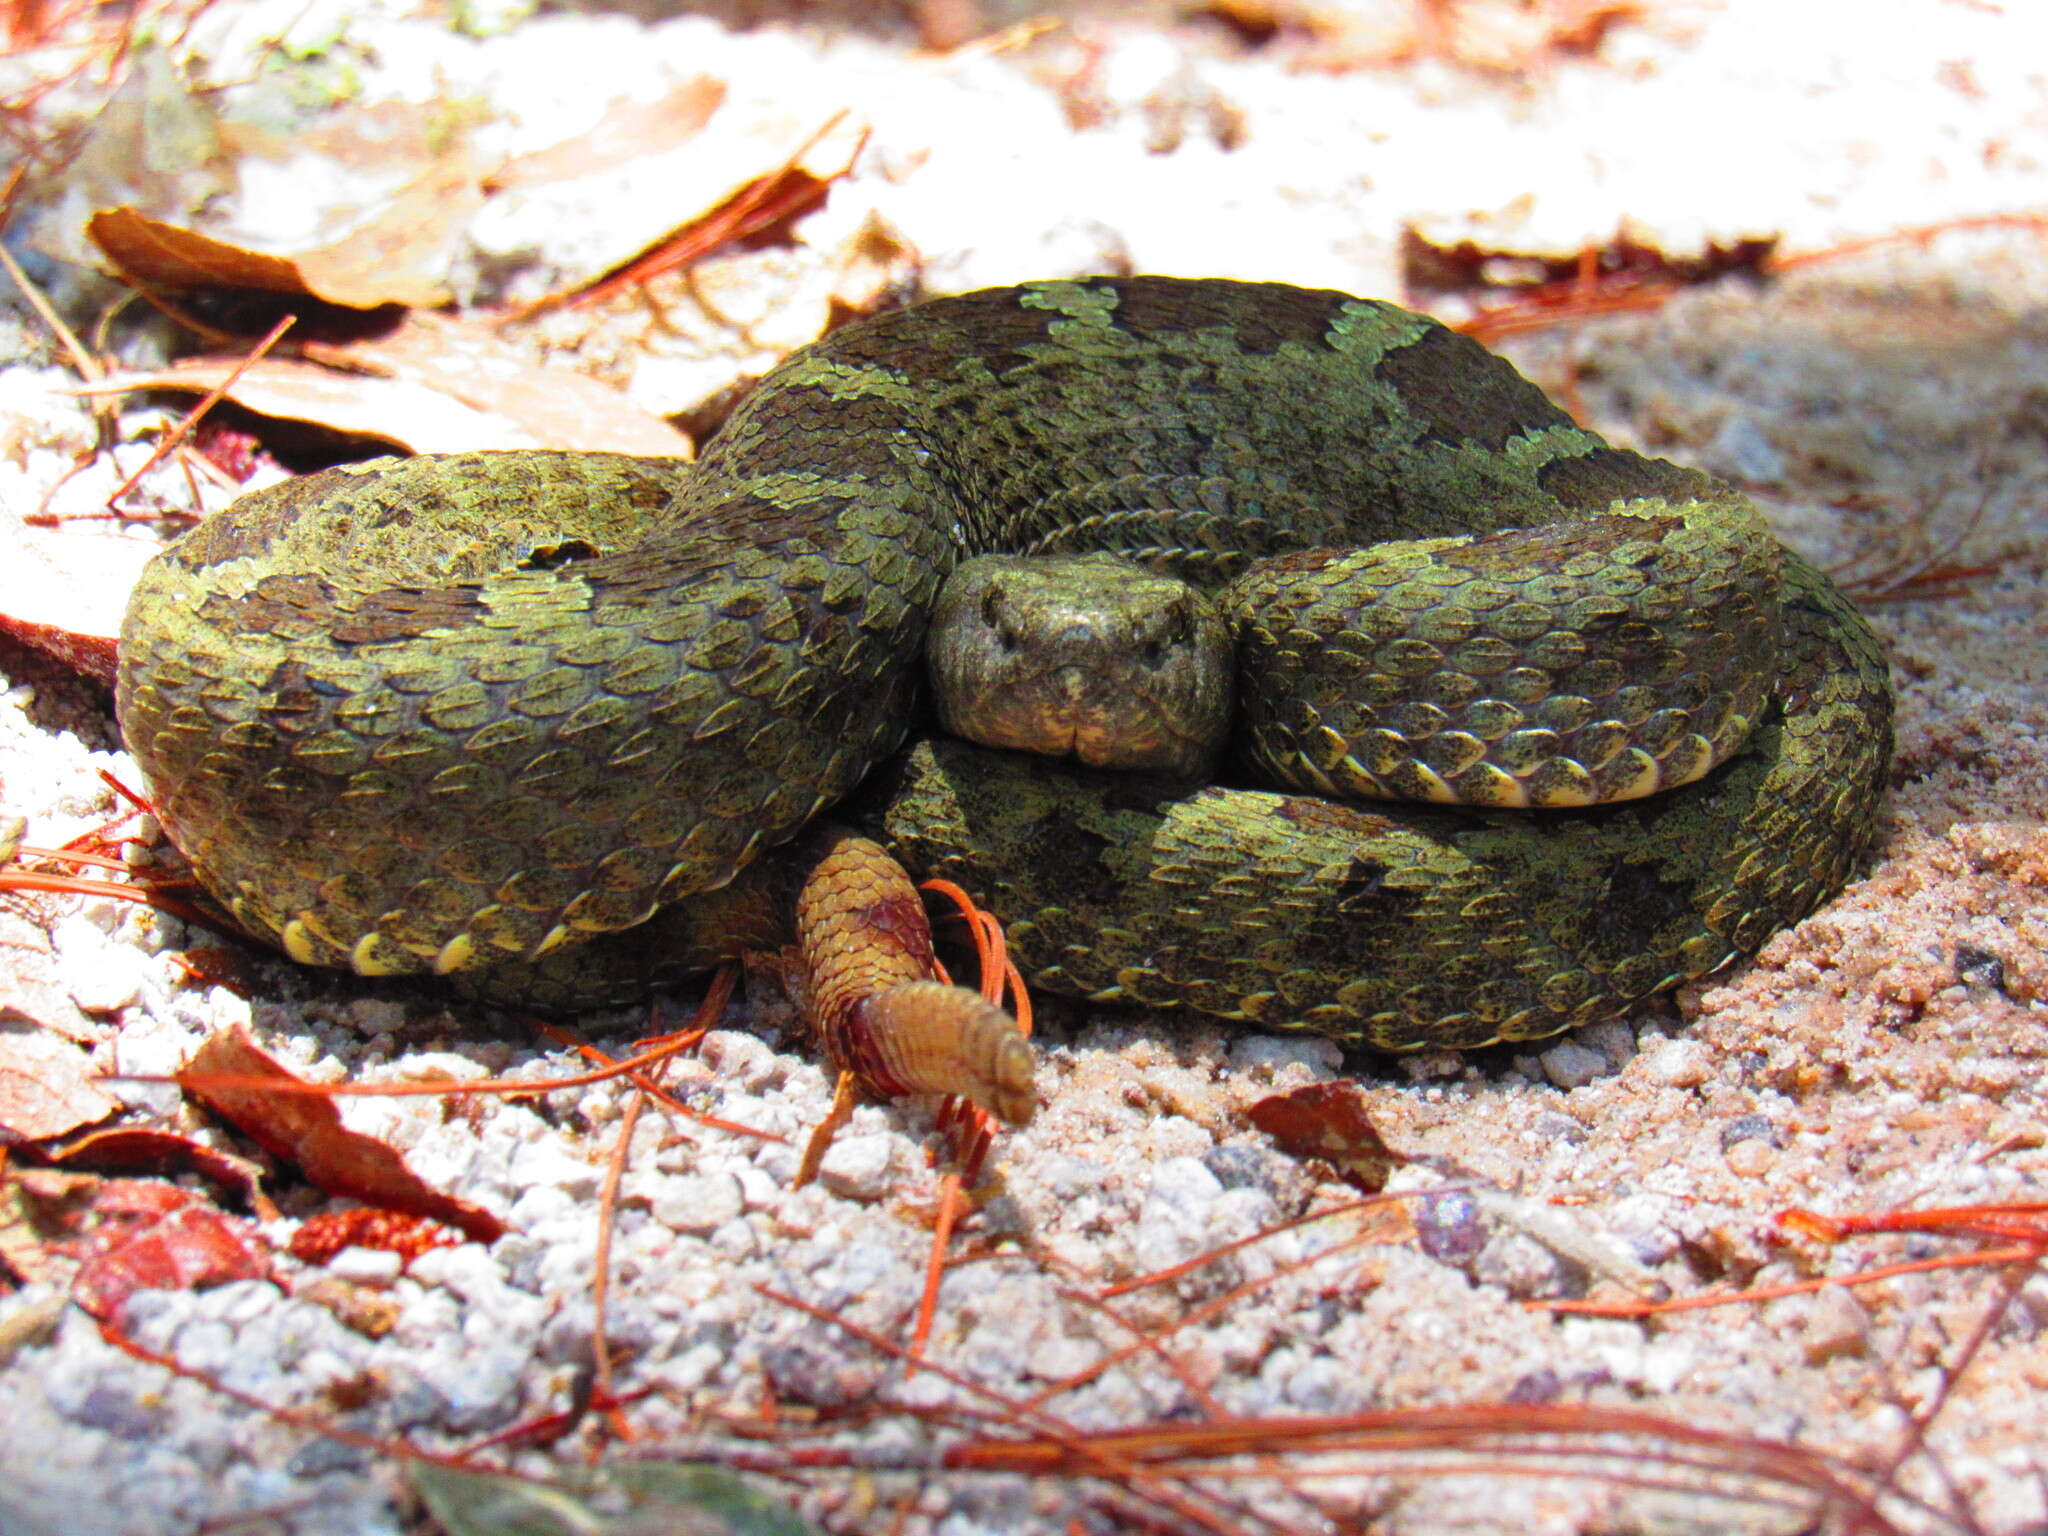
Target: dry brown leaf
point(432, 386)
point(305, 1130)
point(782, 193)
point(373, 266)
point(628, 131)
point(394, 251)
point(163, 257)
point(32, 989)
point(46, 1087)
point(472, 363)
point(157, 1237)
point(37, 1209)
point(659, 197)
point(156, 145)
point(402, 255)
point(396, 411)
point(140, 1149)
point(63, 590)
point(1329, 1121)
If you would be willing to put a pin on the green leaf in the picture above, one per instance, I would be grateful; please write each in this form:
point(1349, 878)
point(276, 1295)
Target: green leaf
point(634, 1498)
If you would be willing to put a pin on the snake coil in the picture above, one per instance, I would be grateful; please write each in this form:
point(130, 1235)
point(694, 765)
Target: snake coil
point(521, 718)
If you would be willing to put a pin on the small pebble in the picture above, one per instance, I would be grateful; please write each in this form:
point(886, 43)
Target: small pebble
point(376, 1015)
point(1449, 1228)
point(548, 1162)
point(1570, 1065)
point(1679, 1064)
point(1836, 1326)
point(740, 1058)
point(1612, 1038)
point(1752, 1157)
point(1319, 1057)
point(104, 976)
point(1752, 1127)
point(121, 1412)
point(699, 1203)
point(1175, 1221)
point(1244, 1167)
point(1525, 1268)
point(366, 1266)
point(859, 1167)
point(1741, 451)
point(319, 1457)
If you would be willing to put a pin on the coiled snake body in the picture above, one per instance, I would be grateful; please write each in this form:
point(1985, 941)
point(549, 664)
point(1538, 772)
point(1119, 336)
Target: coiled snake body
point(521, 718)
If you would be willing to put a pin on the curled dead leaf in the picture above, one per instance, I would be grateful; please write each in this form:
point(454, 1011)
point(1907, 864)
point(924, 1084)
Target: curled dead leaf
point(141, 1149)
point(1329, 1121)
point(305, 1129)
point(396, 252)
point(431, 385)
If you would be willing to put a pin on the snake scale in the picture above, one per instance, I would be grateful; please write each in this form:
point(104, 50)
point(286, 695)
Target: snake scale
point(520, 719)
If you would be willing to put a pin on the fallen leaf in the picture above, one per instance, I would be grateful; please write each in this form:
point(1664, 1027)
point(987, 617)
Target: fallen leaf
point(139, 1149)
point(473, 363)
point(393, 246)
point(32, 989)
point(628, 132)
point(46, 1087)
point(625, 1499)
point(63, 590)
point(649, 202)
point(37, 1210)
point(161, 257)
point(433, 385)
point(168, 1242)
point(305, 1129)
point(1329, 1121)
point(748, 210)
point(406, 415)
point(156, 144)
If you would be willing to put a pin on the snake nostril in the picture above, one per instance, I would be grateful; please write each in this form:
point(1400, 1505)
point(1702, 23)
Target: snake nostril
point(548, 557)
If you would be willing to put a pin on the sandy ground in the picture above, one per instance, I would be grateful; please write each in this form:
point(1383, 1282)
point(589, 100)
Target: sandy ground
point(1889, 409)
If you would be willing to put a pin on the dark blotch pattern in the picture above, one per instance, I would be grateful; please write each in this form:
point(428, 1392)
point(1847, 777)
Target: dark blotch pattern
point(1461, 393)
point(1259, 317)
point(1594, 481)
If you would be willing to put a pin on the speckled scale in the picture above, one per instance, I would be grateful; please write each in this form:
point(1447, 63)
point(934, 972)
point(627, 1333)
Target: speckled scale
point(521, 718)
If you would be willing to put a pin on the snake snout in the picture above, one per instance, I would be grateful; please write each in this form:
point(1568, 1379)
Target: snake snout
point(1091, 657)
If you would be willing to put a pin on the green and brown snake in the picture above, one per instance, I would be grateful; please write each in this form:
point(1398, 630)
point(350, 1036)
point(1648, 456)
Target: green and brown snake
point(522, 718)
